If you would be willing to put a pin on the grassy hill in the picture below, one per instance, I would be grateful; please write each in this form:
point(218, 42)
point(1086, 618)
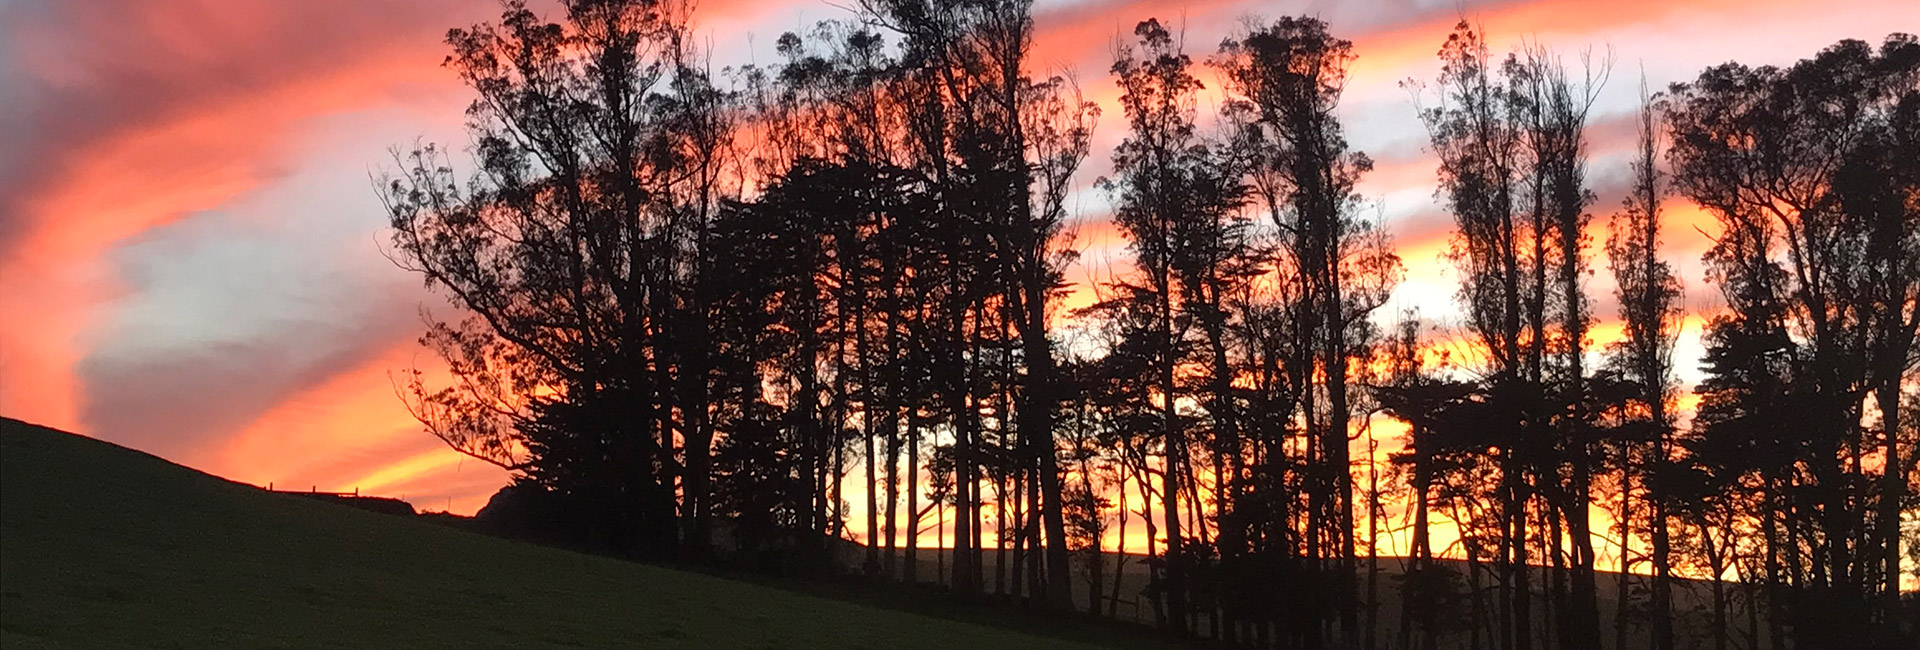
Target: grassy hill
point(102, 546)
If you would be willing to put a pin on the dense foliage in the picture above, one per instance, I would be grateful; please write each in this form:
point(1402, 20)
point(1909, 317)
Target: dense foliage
point(700, 318)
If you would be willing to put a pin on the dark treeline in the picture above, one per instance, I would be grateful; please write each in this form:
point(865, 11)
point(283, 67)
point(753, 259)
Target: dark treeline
point(734, 317)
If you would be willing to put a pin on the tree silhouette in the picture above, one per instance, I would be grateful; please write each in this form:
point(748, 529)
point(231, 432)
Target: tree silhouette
point(1821, 313)
point(567, 250)
point(701, 319)
point(1649, 294)
point(1164, 178)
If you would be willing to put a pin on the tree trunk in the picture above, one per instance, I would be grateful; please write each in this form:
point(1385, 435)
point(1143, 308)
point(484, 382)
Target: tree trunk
point(1623, 591)
point(1519, 593)
point(1893, 491)
point(911, 572)
point(1373, 546)
point(1119, 555)
point(1172, 582)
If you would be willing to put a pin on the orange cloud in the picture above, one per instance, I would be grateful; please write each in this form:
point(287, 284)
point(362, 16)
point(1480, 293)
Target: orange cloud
point(169, 109)
point(134, 115)
point(350, 432)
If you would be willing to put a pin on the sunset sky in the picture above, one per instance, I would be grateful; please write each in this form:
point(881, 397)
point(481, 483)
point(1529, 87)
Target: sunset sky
point(191, 250)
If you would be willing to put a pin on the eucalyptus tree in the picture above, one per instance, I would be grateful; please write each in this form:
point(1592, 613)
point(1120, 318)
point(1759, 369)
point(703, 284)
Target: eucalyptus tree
point(1159, 169)
point(1819, 277)
point(1285, 81)
point(1509, 141)
point(686, 311)
point(1649, 293)
point(1002, 145)
point(1479, 151)
point(572, 250)
point(1551, 110)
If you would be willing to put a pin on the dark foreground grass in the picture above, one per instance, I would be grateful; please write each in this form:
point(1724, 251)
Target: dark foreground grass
point(105, 547)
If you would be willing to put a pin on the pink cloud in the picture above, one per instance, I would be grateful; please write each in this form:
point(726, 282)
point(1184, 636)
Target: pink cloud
point(126, 116)
point(140, 114)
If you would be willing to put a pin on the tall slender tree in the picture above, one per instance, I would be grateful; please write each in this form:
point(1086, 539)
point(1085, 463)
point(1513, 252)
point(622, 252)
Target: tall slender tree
point(1649, 294)
point(1159, 169)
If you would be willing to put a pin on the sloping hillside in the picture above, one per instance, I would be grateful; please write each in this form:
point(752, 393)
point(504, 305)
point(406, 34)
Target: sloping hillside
point(102, 546)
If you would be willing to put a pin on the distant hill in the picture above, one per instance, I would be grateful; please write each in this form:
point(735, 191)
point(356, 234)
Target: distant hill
point(107, 547)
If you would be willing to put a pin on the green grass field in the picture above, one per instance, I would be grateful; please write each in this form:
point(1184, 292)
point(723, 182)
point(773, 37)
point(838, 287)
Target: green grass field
point(106, 547)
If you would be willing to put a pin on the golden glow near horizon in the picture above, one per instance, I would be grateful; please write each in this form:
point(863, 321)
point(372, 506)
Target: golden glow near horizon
point(191, 254)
